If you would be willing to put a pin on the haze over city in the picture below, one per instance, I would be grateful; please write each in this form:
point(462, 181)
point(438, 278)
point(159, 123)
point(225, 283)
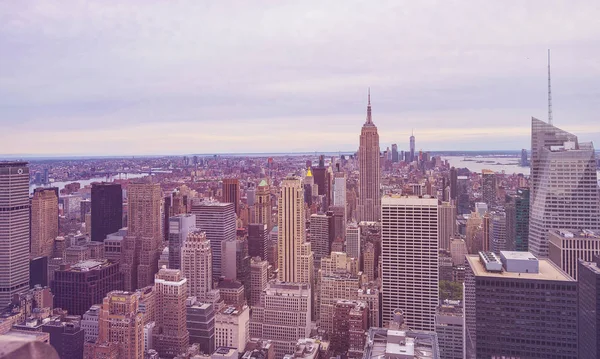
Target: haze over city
point(235, 77)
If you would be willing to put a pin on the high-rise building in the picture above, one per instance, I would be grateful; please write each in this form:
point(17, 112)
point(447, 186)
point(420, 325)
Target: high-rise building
point(218, 221)
point(231, 192)
point(89, 323)
point(517, 220)
point(350, 320)
point(65, 337)
point(283, 316)
point(200, 323)
point(369, 200)
point(76, 288)
point(44, 222)
point(322, 178)
point(232, 327)
point(196, 264)
point(172, 337)
point(453, 184)
point(291, 233)
point(353, 244)
point(333, 287)
point(564, 190)
point(510, 310)
point(567, 246)
point(321, 234)
point(409, 236)
point(339, 189)
point(262, 212)
point(107, 209)
point(258, 279)
point(412, 147)
point(179, 227)
point(449, 327)
point(370, 295)
point(120, 323)
point(588, 310)
point(458, 250)
point(447, 225)
point(368, 260)
point(498, 237)
point(488, 185)
point(463, 204)
point(395, 157)
point(258, 240)
point(144, 233)
point(14, 229)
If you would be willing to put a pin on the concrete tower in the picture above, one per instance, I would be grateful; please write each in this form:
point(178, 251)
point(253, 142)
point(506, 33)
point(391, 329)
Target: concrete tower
point(410, 259)
point(44, 222)
point(369, 200)
point(262, 212)
point(14, 229)
point(291, 233)
point(107, 210)
point(231, 192)
point(196, 264)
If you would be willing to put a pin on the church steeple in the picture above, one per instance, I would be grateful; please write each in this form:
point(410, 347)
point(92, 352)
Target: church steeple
point(369, 118)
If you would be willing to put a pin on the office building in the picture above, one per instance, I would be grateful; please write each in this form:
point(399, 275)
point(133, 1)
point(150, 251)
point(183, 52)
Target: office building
point(564, 191)
point(295, 255)
point(65, 337)
point(200, 323)
point(463, 199)
point(458, 250)
point(259, 278)
point(44, 222)
point(353, 244)
point(409, 235)
point(231, 192)
point(368, 261)
point(517, 220)
point(283, 316)
point(218, 221)
point(196, 264)
point(488, 185)
point(258, 240)
point(350, 320)
point(567, 246)
point(232, 327)
point(232, 292)
point(180, 226)
point(449, 327)
point(106, 210)
point(14, 229)
point(120, 323)
point(263, 205)
point(333, 287)
point(321, 234)
point(144, 234)
point(512, 307)
point(89, 323)
point(369, 200)
point(499, 239)
point(77, 287)
point(588, 310)
point(447, 225)
point(172, 337)
point(395, 154)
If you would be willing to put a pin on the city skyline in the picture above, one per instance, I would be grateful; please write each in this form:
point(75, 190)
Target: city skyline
point(112, 86)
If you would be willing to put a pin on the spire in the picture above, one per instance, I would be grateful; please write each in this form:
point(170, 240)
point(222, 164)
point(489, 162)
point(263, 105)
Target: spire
point(369, 119)
point(549, 92)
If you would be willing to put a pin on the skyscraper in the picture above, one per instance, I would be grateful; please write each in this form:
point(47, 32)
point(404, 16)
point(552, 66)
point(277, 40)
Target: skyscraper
point(588, 309)
point(172, 337)
point(321, 234)
point(488, 184)
point(258, 238)
point(218, 221)
point(517, 220)
point(262, 212)
point(447, 225)
point(196, 264)
point(231, 192)
point(44, 222)
point(498, 237)
point(14, 229)
point(353, 245)
point(179, 227)
point(395, 153)
point(410, 259)
point(291, 233)
point(453, 184)
point(107, 209)
point(258, 279)
point(144, 232)
point(512, 310)
point(369, 200)
point(412, 147)
point(564, 185)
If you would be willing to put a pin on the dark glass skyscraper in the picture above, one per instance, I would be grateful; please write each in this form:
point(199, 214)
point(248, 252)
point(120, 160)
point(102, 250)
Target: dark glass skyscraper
point(588, 312)
point(107, 210)
point(517, 220)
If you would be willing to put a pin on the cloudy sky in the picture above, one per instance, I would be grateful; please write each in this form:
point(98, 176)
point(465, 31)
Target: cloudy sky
point(199, 76)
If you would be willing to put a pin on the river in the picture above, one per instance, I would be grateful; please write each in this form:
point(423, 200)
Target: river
point(85, 182)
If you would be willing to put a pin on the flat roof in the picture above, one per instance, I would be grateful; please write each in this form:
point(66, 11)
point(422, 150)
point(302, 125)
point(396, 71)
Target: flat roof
point(548, 271)
point(408, 200)
point(518, 255)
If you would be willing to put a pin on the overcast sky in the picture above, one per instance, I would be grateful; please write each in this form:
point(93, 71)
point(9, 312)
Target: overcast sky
point(180, 77)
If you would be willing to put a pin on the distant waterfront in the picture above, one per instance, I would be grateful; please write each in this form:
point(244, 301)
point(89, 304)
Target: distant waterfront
point(85, 182)
point(510, 165)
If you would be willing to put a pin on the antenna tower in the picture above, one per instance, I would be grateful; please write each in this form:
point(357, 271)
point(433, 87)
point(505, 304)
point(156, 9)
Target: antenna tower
point(549, 92)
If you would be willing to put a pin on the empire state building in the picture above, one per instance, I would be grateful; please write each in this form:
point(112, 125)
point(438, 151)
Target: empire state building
point(369, 199)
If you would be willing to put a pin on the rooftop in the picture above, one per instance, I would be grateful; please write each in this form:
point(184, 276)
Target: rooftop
point(547, 271)
point(408, 200)
point(400, 344)
point(90, 264)
point(576, 233)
